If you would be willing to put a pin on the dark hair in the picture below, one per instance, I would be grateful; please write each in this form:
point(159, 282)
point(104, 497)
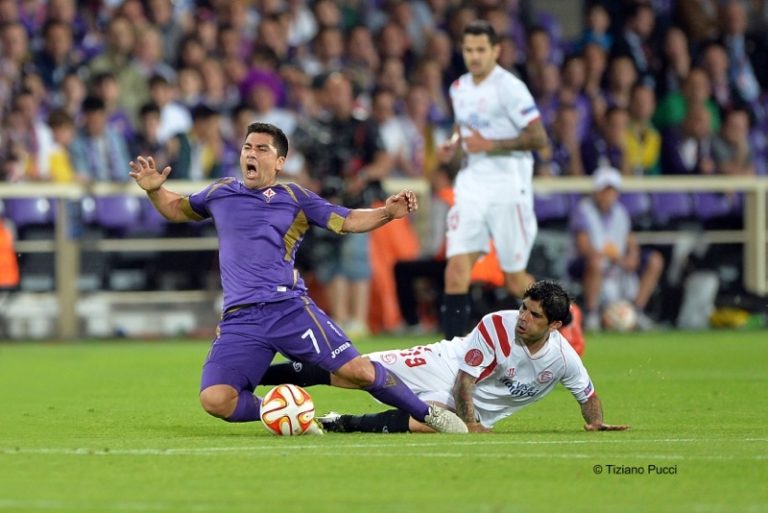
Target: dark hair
point(480, 28)
point(60, 117)
point(553, 298)
point(93, 104)
point(278, 136)
point(149, 108)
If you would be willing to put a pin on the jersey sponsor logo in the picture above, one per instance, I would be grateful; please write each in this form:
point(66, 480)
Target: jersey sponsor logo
point(474, 357)
point(269, 194)
point(545, 376)
point(343, 347)
point(519, 389)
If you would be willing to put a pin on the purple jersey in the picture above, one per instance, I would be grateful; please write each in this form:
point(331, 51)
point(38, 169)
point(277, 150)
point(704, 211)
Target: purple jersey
point(259, 232)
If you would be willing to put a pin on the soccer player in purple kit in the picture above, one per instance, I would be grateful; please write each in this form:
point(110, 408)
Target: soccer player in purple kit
point(260, 224)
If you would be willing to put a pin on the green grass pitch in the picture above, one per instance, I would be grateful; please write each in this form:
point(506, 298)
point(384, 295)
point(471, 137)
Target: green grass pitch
point(116, 427)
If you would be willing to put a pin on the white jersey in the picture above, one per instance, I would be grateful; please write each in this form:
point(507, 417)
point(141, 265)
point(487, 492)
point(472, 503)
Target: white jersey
point(508, 376)
point(499, 107)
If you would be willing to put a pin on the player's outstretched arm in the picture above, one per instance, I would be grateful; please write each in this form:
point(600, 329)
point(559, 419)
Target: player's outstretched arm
point(592, 411)
point(366, 219)
point(169, 204)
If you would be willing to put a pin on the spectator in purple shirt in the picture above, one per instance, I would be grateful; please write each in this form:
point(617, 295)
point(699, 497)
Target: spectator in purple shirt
point(261, 224)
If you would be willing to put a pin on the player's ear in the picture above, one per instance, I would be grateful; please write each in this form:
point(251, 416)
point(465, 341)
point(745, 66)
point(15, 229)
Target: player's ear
point(556, 325)
point(279, 163)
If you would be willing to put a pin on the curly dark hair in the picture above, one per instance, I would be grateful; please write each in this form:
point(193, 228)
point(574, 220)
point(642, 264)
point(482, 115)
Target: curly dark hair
point(553, 298)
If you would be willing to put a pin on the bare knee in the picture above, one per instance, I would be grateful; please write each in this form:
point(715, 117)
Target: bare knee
point(358, 373)
point(518, 282)
point(219, 400)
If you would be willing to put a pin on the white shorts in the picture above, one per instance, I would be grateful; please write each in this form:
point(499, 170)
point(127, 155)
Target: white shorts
point(512, 226)
point(424, 370)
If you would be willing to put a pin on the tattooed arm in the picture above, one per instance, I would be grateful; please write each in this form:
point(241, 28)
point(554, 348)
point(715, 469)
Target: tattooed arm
point(592, 411)
point(533, 137)
point(465, 409)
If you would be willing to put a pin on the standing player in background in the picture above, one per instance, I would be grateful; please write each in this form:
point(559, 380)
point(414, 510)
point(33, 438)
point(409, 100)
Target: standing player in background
point(260, 224)
point(497, 125)
point(512, 359)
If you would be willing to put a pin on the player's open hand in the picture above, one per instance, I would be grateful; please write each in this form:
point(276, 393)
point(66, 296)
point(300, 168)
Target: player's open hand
point(476, 143)
point(599, 426)
point(145, 172)
point(400, 204)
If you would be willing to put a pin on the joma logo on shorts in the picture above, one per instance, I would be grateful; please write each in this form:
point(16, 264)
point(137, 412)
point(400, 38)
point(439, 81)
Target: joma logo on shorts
point(339, 349)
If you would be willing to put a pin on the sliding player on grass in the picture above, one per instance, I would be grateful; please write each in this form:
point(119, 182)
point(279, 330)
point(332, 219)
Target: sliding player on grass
point(511, 359)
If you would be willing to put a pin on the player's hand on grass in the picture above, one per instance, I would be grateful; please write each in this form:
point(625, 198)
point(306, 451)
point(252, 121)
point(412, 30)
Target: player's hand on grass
point(402, 203)
point(476, 427)
point(599, 426)
point(145, 172)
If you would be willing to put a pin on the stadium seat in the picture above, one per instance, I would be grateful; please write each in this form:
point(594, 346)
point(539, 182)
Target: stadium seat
point(29, 212)
point(552, 207)
point(713, 205)
point(636, 203)
point(117, 213)
point(669, 206)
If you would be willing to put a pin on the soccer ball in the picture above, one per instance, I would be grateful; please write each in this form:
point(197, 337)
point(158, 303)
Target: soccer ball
point(287, 410)
point(620, 316)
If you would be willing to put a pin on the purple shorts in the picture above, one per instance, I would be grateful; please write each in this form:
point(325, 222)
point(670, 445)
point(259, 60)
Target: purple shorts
point(249, 337)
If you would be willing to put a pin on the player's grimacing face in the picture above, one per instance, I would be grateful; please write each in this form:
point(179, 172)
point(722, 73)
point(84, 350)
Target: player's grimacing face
point(532, 323)
point(259, 162)
point(479, 54)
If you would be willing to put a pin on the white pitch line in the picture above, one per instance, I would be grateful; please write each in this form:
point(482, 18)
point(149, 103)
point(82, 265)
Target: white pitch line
point(295, 445)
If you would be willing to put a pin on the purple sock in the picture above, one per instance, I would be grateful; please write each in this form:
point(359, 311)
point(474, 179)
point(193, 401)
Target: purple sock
point(388, 389)
point(247, 409)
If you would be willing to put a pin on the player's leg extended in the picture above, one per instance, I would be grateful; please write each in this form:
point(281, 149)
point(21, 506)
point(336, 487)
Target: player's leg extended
point(390, 421)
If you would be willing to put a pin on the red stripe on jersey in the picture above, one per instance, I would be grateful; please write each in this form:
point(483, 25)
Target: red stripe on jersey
point(487, 372)
point(501, 331)
point(486, 336)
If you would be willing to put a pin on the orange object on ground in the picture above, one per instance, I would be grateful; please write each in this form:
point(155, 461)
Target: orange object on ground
point(573, 333)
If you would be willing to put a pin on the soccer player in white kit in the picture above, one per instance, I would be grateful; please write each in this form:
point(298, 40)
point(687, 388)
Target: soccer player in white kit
point(512, 359)
point(497, 125)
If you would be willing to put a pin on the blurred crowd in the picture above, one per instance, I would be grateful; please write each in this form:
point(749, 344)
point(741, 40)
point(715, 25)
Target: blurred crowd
point(649, 87)
point(360, 87)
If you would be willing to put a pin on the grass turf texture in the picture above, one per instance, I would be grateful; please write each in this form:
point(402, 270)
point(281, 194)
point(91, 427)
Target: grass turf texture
point(102, 427)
